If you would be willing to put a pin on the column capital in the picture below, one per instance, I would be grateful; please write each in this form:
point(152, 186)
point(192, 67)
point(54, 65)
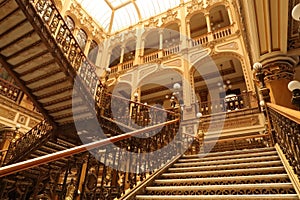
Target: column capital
point(278, 70)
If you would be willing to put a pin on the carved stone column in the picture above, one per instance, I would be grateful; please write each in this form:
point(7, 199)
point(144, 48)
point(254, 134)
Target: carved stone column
point(161, 39)
point(208, 22)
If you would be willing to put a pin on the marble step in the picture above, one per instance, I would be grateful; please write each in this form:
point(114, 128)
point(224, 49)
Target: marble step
point(244, 151)
point(259, 188)
point(227, 166)
point(267, 178)
point(229, 161)
point(222, 173)
point(228, 157)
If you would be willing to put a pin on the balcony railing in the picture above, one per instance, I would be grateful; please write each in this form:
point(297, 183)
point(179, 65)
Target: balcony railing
point(194, 42)
point(203, 39)
point(10, 91)
point(229, 103)
point(171, 50)
point(151, 57)
point(223, 32)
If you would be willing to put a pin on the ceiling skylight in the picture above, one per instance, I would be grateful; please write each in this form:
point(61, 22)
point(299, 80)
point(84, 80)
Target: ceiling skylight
point(114, 15)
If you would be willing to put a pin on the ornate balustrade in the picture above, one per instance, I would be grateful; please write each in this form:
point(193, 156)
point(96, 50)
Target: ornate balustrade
point(223, 32)
point(172, 50)
point(229, 103)
point(203, 39)
point(64, 39)
point(10, 91)
point(286, 132)
point(152, 57)
point(37, 135)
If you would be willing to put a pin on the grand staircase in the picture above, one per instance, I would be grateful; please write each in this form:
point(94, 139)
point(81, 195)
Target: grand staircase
point(45, 60)
point(241, 174)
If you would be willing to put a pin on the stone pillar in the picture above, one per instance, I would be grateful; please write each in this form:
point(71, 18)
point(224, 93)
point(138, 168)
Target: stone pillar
point(161, 39)
point(229, 14)
point(208, 22)
point(277, 75)
point(188, 27)
point(122, 53)
point(87, 47)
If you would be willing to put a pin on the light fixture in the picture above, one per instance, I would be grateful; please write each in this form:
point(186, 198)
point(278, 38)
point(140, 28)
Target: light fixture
point(176, 86)
point(294, 87)
point(108, 70)
point(199, 115)
point(296, 12)
point(258, 68)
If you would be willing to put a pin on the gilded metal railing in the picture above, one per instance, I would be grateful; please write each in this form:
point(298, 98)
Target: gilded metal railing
point(65, 40)
point(132, 113)
point(286, 132)
point(113, 166)
point(10, 91)
point(21, 147)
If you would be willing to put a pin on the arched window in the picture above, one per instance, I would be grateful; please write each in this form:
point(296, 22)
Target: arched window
point(81, 38)
point(70, 23)
point(93, 52)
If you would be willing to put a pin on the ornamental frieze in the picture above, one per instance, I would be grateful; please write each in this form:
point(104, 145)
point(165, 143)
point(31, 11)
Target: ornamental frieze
point(170, 17)
point(152, 22)
point(196, 5)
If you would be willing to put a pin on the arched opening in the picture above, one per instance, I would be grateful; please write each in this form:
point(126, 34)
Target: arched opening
point(157, 88)
point(171, 35)
point(219, 17)
point(81, 38)
point(115, 56)
point(70, 23)
point(129, 52)
point(93, 52)
point(198, 25)
point(228, 80)
point(151, 43)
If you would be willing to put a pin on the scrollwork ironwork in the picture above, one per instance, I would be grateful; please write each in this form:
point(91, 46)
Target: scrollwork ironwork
point(287, 135)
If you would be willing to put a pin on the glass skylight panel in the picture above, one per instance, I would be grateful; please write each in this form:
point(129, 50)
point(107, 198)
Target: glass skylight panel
point(124, 17)
point(99, 10)
point(149, 8)
point(125, 13)
point(117, 3)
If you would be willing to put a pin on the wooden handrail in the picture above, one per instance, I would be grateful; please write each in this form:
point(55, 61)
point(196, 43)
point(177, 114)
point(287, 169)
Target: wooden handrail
point(10, 169)
point(291, 114)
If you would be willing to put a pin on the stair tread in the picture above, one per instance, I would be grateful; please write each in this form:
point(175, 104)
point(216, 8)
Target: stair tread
point(226, 178)
point(219, 162)
point(260, 154)
point(227, 166)
point(268, 169)
point(222, 187)
point(217, 197)
point(244, 151)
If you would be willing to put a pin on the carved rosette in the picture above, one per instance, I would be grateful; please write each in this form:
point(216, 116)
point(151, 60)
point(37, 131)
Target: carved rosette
point(278, 70)
point(196, 5)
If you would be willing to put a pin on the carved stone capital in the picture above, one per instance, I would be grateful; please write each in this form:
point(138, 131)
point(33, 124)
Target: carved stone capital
point(278, 70)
